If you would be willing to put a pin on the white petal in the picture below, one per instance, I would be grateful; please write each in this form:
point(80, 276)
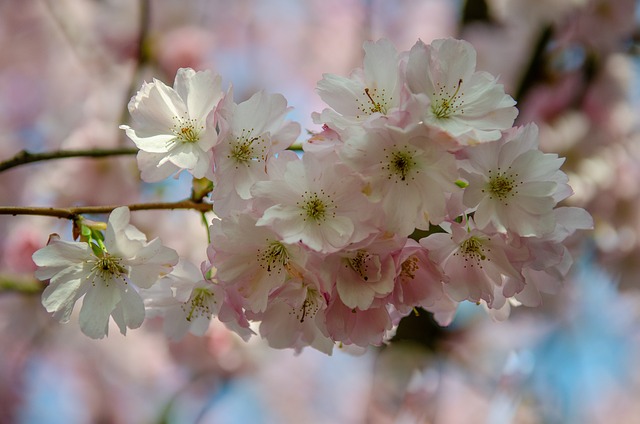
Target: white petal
point(151, 168)
point(97, 306)
point(62, 253)
point(62, 293)
point(122, 239)
point(201, 91)
point(129, 313)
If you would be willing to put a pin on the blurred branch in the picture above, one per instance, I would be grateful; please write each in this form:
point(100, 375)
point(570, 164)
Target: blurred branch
point(13, 284)
point(25, 157)
point(73, 213)
point(144, 54)
point(535, 71)
point(475, 11)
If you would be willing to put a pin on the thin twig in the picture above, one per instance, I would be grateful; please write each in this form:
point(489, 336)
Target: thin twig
point(19, 284)
point(73, 213)
point(25, 157)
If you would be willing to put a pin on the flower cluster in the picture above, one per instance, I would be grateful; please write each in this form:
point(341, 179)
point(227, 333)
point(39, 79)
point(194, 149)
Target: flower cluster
point(417, 192)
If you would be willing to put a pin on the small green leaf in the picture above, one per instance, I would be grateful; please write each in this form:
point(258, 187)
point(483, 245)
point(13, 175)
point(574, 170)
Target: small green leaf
point(97, 235)
point(85, 231)
point(97, 250)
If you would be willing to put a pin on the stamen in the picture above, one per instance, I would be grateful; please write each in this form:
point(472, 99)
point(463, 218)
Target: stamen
point(276, 256)
point(473, 252)
point(400, 165)
point(377, 107)
point(409, 267)
point(317, 207)
point(186, 131)
point(502, 185)
point(310, 306)
point(443, 108)
point(360, 263)
point(473, 247)
point(199, 304)
point(244, 150)
point(108, 267)
point(373, 105)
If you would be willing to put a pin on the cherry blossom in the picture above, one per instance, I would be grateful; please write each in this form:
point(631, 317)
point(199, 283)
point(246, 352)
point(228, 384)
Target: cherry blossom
point(174, 127)
point(474, 262)
point(356, 326)
point(185, 299)
point(250, 133)
point(252, 259)
point(318, 202)
point(370, 93)
point(513, 184)
point(405, 166)
point(418, 281)
point(451, 95)
point(107, 274)
point(294, 317)
point(318, 248)
point(364, 271)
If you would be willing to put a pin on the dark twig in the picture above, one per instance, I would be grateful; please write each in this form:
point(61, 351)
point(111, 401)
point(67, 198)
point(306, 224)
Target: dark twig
point(25, 157)
point(73, 213)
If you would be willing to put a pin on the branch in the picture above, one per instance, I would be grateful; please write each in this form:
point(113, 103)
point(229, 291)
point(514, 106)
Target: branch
point(25, 157)
point(15, 284)
point(73, 213)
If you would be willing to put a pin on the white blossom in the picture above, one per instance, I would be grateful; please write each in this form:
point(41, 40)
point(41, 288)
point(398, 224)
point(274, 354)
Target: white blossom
point(108, 275)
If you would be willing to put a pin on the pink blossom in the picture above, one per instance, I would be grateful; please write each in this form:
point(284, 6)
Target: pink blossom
point(294, 317)
point(252, 259)
point(513, 185)
point(364, 271)
point(409, 167)
point(370, 93)
point(185, 299)
point(474, 262)
point(318, 202)
point(469, 105)
point(356, 326)
point(250, 133)
point(418, 281)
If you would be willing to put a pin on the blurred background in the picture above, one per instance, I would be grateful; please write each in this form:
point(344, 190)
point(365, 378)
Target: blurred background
point(68, 69)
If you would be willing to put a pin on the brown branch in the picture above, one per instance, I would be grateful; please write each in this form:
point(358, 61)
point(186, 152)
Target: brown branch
point(73, 213)
point(25, 157)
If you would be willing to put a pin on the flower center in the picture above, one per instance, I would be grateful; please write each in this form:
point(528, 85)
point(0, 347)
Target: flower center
point(445, 105)
point(376, 102)
point(408, 268)
point(199, 304)
point(108, 267)
point(316, 207)
point(275, 256)
point(246, 149)
point(473, 249)
point(185, 130)
point(360, 263)
point(400, 164)
point(501, 185)
point(309, 307)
